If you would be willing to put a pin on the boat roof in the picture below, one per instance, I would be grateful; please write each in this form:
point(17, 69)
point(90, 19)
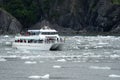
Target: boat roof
point(43, 29)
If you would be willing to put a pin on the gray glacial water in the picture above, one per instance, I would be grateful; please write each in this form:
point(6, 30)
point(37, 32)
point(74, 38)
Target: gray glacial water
point(82, 58)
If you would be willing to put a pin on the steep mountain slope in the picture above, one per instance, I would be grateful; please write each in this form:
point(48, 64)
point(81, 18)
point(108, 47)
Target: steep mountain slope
point(79, 15)
point(8, 23)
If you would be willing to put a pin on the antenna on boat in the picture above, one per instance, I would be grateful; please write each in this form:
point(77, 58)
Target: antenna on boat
point(46, 27)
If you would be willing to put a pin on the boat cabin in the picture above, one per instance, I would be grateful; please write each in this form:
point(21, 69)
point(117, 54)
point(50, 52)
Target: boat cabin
point(44, 35)
point(43, 31)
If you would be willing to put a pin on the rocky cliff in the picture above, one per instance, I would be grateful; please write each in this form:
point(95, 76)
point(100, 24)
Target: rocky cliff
point(60, 29)
point(76, 15)
point(8, 23)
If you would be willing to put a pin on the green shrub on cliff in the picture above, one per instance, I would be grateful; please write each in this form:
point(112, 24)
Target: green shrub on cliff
point(28, 12)
point(115, 1)
point(24, 10)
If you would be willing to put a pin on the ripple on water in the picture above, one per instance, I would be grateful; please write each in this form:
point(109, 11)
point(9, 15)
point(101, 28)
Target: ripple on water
point(61, 60)
point(57, 66)
point(115, 56)
point(26, 51)
point(8, 49)
point(17, 52)
point(34, 77)
point(41, 61)
point(114, 76)
point(30, 62)
point(46, 76)
point(9, 52)
point(99, 67)
point(25, 57)
point(6, 36)
point(2, 60)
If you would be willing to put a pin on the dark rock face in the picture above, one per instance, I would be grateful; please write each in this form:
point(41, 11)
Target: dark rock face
point(8, 24)
point(76, 15)
point(60, 29)
point(84, 15)
point(108, 16)
point(92, 16)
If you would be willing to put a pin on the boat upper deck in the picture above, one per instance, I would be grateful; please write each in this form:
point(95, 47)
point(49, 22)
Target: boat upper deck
point(44, 29)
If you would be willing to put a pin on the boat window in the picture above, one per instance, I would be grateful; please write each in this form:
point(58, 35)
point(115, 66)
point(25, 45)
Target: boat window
point(30, 41)
point(49, 33)
point(40, 41)
point(34, 33)
point(35, 41)
point(37, 33)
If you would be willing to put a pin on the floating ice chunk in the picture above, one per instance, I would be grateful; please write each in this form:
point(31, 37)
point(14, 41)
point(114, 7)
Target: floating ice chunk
point(26, 51)
point(34, 77)
point(88, 53)
point(96, 61)
point(96, 56)
point(115, 56)
point(86, 47)
point(25, 57)
point(8, 43)
point(41, 61)
point(17, 52)
point(9, 52)
point(30, 62)
point(98, 46)
point(114, 76)
point(8, 49)
point(13, 56)
point(6, 36)
point(77, 61)
point(56, 66)
point(47, 76)
point(61, 60)
point(97, 67)
point(102, 43)
point(107, 52)
point(2, 59)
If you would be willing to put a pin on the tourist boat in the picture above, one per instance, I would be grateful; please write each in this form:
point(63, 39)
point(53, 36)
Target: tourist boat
point(43, 39)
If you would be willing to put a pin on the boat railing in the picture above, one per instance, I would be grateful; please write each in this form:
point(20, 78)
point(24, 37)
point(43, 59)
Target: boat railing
point(28, 33)
point(46, 41)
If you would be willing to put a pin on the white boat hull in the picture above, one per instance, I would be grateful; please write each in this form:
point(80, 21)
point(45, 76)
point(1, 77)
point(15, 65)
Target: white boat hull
point(43, 39)
point(32, 46)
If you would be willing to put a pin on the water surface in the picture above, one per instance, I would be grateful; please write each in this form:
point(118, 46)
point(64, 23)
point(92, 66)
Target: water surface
point(82, 58)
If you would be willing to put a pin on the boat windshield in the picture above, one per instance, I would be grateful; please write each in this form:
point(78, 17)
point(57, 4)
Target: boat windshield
point(34, 33)
point(49, 33)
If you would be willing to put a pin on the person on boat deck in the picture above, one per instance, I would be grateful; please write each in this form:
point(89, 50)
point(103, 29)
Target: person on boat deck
point(21, 40)
point(61, 40)
point(27, 33)
point(24, 41)
point(57, 39)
